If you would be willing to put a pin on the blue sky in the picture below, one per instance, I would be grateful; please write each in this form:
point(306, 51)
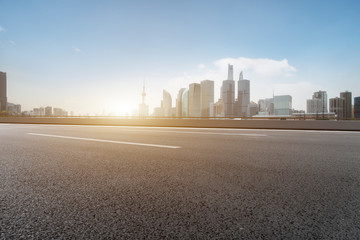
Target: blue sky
point(92, 56)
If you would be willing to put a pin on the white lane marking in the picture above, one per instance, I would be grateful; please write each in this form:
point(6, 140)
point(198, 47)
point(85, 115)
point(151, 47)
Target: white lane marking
point(103, 140)
point(214, 133)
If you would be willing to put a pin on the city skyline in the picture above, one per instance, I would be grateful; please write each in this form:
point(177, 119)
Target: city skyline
point(95, 66)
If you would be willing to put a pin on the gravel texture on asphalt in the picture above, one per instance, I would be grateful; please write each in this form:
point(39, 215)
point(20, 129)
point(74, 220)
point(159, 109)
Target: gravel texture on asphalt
point(285, 185)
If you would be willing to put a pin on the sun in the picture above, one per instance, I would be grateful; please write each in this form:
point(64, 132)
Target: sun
point(122, 110)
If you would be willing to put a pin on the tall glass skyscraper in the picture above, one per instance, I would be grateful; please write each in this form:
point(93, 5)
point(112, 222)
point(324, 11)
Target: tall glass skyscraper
point(283, 105)
point(318, 103)
point(228, 93)
point(207, 96)
point(179, 102)
point(243, 96)
point(346, 96)
point(3, 95)
point(166, 104)
point(185, 104)
point(357, 107)
point(194, 100)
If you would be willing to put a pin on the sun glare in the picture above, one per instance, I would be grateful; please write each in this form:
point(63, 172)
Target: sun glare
point(122, 110)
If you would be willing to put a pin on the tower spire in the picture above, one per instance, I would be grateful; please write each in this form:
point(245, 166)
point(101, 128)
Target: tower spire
point(241, 77)
point(230, 72)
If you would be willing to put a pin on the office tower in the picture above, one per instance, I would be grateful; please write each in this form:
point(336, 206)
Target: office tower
point(3, 95)
point(266, 106)
point(143, 108)
point(357, 107)
point(179, 102)
point(58, 112)
point(166, 104)
point(243, 96)
point(253, 109)
point(194, 100)
point(283, 105)
point(218, 110)
point(207, 97)
point(230, 72)
point(42, 111)
point(228, 93)
point(48, 111)
point(185, 104)
point(313, 106)
point(13, 109)
point(36, 111)
point(337, 107)
point(346, 96)
point(318, 103)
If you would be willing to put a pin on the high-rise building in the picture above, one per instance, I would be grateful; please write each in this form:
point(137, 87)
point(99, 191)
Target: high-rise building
point(13, 109)
point(243, 96)
point(3, 94)
point(218, 109)
point(228, 93)
point(313, 106)
point(253, 109)
point(179, 102)
point(230, 72)
point(337, 107)
point(167, 104)
point(143, 108)
point(42, 111)
point(185, 104)
point(48, 111)
point(207, 97)
point(194, 100)
point(357, 107)
point(283, 105)
point(36, 111)
point(318, 103)
point(266, 106)
point(346, 96)
point(58, 112)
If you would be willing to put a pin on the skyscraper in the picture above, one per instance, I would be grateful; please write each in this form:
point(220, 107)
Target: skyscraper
point(48, 111)
point(207, 97)
point(357, 107)
point(3, 95)
point(283, 105)
point(228, 93)
point(185, 103)
point(179, 102)
point(318, 103)
point(266, 106)
point(194, 100)
point(346, 96)
point(243, 96)
point(166, 104)
point(230, 72)
point(337, 107)
point(143, 108)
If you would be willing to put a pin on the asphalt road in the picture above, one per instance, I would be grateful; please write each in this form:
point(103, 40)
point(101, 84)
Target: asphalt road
point(94, 182)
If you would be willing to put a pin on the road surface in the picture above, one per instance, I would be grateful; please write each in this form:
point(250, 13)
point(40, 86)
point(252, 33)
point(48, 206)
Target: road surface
point(102, 182)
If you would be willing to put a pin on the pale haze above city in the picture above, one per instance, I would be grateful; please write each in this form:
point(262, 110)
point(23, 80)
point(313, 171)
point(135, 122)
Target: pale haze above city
point(93, 57)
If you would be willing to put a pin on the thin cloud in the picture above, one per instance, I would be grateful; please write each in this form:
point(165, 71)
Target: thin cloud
point(2, 29)
point(76, 49)
point(260, 66)
point(12, 42)
point(201, 66)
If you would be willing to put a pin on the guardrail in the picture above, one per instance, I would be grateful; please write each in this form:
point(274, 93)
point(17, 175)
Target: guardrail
point(193, 123)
